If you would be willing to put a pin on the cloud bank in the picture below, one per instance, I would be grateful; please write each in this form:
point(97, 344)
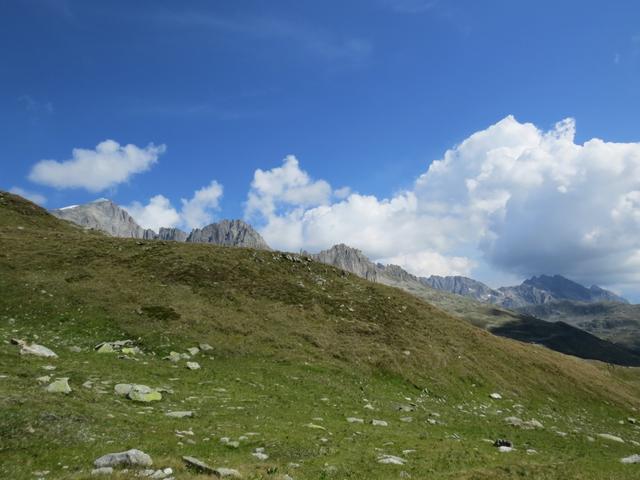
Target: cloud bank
point(522, 200)
point(108, 165)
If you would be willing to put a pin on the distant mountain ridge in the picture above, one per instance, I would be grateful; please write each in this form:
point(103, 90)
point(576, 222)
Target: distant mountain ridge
point(554, 335)
point(106, 216)
point(537, 290)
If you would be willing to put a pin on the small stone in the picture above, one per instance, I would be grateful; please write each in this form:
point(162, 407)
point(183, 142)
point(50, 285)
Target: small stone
point(406, 419)
point(205, 347)
point(123, 389)
point(102, 471)
point(61, 385)
point(44, 379)
point(314, 426)
point(193, 351)
point(496, 396)
point(379, 423)
point(180, 414)
point(504, 449)
point(260, 455)
point(608, 436)
point(173, 357)
point(632, 459)
point(34, 349)
point(223, 472)
point(193, 365)
point(391, 460)
point(355, 420)
point(133, 457)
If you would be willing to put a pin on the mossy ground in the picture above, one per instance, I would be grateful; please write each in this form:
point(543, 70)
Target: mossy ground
point(295, 343)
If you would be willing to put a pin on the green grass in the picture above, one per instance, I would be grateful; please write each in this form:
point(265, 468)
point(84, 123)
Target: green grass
point(294, 342)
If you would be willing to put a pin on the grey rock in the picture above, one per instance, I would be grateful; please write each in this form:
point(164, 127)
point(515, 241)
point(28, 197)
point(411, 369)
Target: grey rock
point(34, 349)
point(172, 234)
point(180, 414)
point(612, 438)
point(391, 460)
point(102, 471)
point(232, 233)
point(133, 457)
point(631, 459)
point(106, 216)
point(60, 385)
point(202, 467)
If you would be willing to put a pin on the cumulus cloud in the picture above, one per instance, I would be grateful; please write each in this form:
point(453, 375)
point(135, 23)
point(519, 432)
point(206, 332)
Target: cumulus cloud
point(513, 197)
point(297, 212)
point(284, 186)
point(108, 165)
point(196, 211)
point(33, 196)
point(545, 204)
point(157, 213)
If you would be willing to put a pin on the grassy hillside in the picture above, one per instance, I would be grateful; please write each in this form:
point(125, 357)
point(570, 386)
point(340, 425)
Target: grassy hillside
point(298, 347)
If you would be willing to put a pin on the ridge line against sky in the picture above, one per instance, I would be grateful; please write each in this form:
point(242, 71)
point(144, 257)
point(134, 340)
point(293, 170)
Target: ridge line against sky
point(480, 205)
point(320, 122)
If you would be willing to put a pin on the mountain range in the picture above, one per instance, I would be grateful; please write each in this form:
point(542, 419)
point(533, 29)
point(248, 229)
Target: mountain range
point(106, 216)
point(244, 352)
point(574, 325)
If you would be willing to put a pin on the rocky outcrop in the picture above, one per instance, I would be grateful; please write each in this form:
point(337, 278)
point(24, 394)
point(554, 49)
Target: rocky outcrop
point(464, 286)
point(106, 216)
point(172, 234)
point(351, 260)
point(232, 233)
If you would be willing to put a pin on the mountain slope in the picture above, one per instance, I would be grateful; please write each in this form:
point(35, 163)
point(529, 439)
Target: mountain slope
point(106, 216)
point(563, 338)
point(296, 348)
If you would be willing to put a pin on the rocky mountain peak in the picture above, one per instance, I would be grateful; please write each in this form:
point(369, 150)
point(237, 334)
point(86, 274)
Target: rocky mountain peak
point(233, 233)
point(108, 217)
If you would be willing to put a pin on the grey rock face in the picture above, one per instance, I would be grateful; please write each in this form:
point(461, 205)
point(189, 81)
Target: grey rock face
point(131, 457)
point(351, 260)
point(232, 233)
point(464, 286)
point(172, 234)
point(106, 216)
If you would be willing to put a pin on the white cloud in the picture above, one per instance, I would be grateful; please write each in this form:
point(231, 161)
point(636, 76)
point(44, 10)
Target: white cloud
point(196, 211)
point(517, 199)
point(157, 213)
point(33, 196)
point(95, 170)
point(428, 263)
point(284, 186)
point(296, 212)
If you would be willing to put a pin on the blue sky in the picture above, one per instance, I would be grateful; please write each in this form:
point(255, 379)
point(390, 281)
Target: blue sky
point(365, 94)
